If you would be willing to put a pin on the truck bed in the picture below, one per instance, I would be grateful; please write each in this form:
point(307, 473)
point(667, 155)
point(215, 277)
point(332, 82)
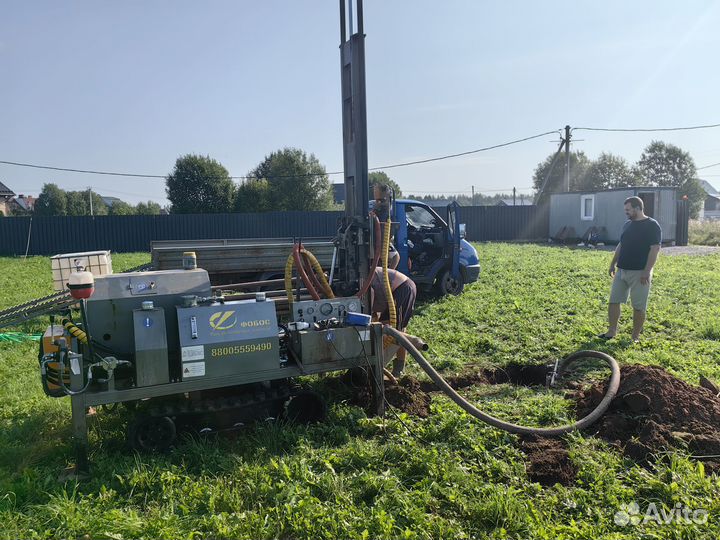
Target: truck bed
point(237, 258)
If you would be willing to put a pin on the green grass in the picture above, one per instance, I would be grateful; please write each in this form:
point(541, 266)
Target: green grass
point(705, 233)
point(359, 477)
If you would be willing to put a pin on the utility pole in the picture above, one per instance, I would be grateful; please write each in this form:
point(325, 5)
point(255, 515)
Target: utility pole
point(514, 192)
point(567, 158)
point(90, 195)
point(473, 195)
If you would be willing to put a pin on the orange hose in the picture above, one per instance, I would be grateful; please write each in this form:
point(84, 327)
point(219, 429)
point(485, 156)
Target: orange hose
point(303, 275)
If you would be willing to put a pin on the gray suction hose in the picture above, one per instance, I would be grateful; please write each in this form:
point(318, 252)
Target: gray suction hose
point(508, 426)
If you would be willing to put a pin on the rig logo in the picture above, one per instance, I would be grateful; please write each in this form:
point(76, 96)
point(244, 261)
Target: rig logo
point(223, 320)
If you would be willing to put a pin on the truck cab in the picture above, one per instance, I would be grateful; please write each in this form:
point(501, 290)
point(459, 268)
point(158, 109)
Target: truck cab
point(433, 252)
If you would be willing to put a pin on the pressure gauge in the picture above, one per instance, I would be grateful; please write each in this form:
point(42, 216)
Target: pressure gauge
point(353, 306)
point(326, 308)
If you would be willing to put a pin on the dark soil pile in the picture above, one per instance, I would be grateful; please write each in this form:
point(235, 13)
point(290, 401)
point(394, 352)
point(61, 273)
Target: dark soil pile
point(548, 461)
point(654, 411)
point(408, 397)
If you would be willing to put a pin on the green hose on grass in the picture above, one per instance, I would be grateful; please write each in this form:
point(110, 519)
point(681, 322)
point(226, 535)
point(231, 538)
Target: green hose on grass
point(18, 337)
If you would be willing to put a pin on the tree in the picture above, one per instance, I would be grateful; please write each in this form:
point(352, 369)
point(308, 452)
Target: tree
point(199, 185)
point(579, 164)
point(253, 196)
point(51, 202)
point(121, 208)
point(149, 208)
point(379, 177)
point(664, 164)
point(296, 181)
point(608, 171)
point(78, 203)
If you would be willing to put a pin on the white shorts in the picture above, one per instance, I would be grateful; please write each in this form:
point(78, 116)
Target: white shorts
point(627, 283)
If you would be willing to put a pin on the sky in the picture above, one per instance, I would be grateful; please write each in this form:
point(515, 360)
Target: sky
point(131, 86)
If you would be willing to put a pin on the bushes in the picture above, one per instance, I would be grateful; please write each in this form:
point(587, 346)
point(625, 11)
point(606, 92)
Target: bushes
point(705, 233)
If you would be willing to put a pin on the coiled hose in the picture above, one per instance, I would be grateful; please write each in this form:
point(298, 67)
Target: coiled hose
point(295, 259)
point(75, 331)
point(317, 268)
point(313, 277)
point(508, 426)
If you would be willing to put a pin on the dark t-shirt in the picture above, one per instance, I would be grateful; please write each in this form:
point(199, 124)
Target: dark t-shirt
point(635, 241)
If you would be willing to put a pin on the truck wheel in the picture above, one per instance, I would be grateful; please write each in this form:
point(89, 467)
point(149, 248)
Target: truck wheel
point(447, 284)
point(151, 433)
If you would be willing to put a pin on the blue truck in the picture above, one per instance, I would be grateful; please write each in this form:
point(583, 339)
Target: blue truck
point(433, 252)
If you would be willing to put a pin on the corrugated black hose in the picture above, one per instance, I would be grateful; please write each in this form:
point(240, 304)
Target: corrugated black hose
point(595, 415)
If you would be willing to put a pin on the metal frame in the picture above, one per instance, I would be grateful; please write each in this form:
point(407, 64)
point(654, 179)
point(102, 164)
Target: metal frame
point(81, 402)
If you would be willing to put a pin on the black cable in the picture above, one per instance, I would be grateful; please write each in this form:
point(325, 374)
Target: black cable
point(685, 128)
point(163, 176)
point(448, 156)
point(133, 175)
point(707, 166)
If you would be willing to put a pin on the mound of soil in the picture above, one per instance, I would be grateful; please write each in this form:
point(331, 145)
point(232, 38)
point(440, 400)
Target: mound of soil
point(548, 461)
point(654, 411)
point(408, 396)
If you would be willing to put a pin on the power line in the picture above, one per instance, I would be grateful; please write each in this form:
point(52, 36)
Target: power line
point(392, 166)
point(134, 175)
point(516, 141)
point(708, 166)
point(685, 128)
point(48, 167)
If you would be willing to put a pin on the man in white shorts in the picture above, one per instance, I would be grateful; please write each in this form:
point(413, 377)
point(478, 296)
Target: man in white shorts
point(631, 267)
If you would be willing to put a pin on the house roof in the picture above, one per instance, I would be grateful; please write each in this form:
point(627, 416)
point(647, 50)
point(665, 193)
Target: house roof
point(520, 200)
point(711, 191)
point(6, 191)
point(26, 203)
point(109, 201)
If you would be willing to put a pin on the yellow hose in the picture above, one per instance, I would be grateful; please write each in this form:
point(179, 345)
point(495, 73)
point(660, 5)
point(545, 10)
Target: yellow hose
point(288, 279)
point(387, 340)
point(74, 330)
point(318, 272)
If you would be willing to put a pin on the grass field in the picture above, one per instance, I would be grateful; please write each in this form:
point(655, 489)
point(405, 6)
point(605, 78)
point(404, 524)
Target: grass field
point(359, 477)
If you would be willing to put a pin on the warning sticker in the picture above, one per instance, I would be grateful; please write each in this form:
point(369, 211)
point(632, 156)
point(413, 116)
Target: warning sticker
point(193, 369)
point(190, 354)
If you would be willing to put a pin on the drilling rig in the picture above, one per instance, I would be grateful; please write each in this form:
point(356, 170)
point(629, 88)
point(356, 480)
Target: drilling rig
point(182, 357)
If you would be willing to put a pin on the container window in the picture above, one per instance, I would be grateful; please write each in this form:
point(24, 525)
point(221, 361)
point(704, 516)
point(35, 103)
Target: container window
point(587, 207)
